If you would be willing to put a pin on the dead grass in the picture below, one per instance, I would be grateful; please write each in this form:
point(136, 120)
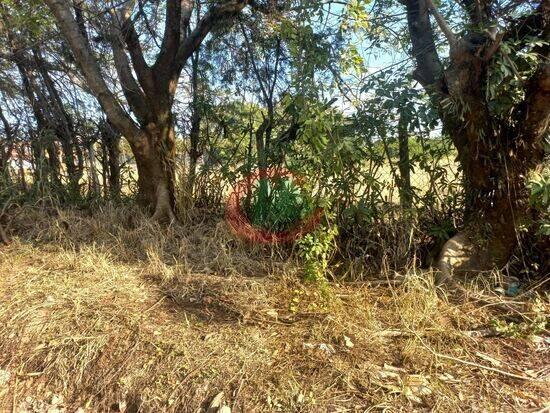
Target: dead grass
point(104, 311)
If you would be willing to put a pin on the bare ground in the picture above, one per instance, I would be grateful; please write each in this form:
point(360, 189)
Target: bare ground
point(105, 312)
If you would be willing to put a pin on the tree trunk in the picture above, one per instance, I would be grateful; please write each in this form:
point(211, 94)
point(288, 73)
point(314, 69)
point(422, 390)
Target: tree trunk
point(261, 149)
point(104, 170)
point(3, 236)
point(54, 165)
point(94, 180)
point(5, 177)
point(405, 190)
point(496, 150)
point(497, 206)
point(149, 89)
point(110, 141)
point(194, 135)
point(61, 122)
point(155, 157)
point(114, 166)
point(194, 155)
point(495, 158)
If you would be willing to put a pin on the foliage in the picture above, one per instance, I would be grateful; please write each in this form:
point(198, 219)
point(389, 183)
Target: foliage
point(315, 250)
point(534, 325)
point(514, 63)
point(278, 205)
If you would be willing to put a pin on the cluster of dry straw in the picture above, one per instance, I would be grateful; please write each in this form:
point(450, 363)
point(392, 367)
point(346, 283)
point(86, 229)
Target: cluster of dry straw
point(104, 311)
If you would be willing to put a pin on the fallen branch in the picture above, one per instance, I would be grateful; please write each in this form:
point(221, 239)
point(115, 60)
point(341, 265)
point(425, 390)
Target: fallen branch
point(471, 363)
point(481, 366)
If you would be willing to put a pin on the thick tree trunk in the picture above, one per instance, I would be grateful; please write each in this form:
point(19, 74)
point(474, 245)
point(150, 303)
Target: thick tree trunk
point(495, 157)
point(496, 150)
point(149, 89)
point(155, 157)
point(497, 205)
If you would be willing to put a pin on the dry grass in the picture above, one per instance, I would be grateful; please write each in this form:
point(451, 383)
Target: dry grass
point(104, 311)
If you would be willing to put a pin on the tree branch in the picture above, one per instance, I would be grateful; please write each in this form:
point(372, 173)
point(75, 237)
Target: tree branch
point(131, 38)
point(442, 23)
point(171, 38)
point(429, 71)
point(212, 18)
point(132, 91)
point(531, 25)
point(90, 68)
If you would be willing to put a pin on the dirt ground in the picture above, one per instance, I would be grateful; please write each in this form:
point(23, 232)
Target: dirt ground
point(105, 312)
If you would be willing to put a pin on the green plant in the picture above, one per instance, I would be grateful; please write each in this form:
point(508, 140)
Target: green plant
point(315, 250)
point(510, 67)
point(278, 204)
point(532, 326)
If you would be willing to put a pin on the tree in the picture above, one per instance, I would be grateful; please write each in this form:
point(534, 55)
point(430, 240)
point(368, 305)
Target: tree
point(110, 140)
point(492, 96)
point(150, 92)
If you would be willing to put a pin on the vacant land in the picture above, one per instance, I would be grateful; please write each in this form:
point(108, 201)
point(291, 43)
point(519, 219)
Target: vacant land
point(102, 311)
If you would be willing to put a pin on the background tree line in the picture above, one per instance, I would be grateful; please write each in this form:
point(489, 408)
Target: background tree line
point(436, 152)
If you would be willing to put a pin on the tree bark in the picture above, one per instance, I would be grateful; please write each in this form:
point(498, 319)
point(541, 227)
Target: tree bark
point(8, 143)
point(110, 140)
point(194, 134)
point(155, 163)
point(22, 178)
point(114, 167)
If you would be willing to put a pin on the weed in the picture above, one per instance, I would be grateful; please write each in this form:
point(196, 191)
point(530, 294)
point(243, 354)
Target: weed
point(315, 250)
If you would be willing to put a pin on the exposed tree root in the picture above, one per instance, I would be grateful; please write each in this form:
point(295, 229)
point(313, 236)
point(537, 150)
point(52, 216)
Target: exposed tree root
point(164, 212)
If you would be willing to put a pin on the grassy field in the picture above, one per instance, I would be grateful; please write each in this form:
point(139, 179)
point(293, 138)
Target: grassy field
point(103, 311)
